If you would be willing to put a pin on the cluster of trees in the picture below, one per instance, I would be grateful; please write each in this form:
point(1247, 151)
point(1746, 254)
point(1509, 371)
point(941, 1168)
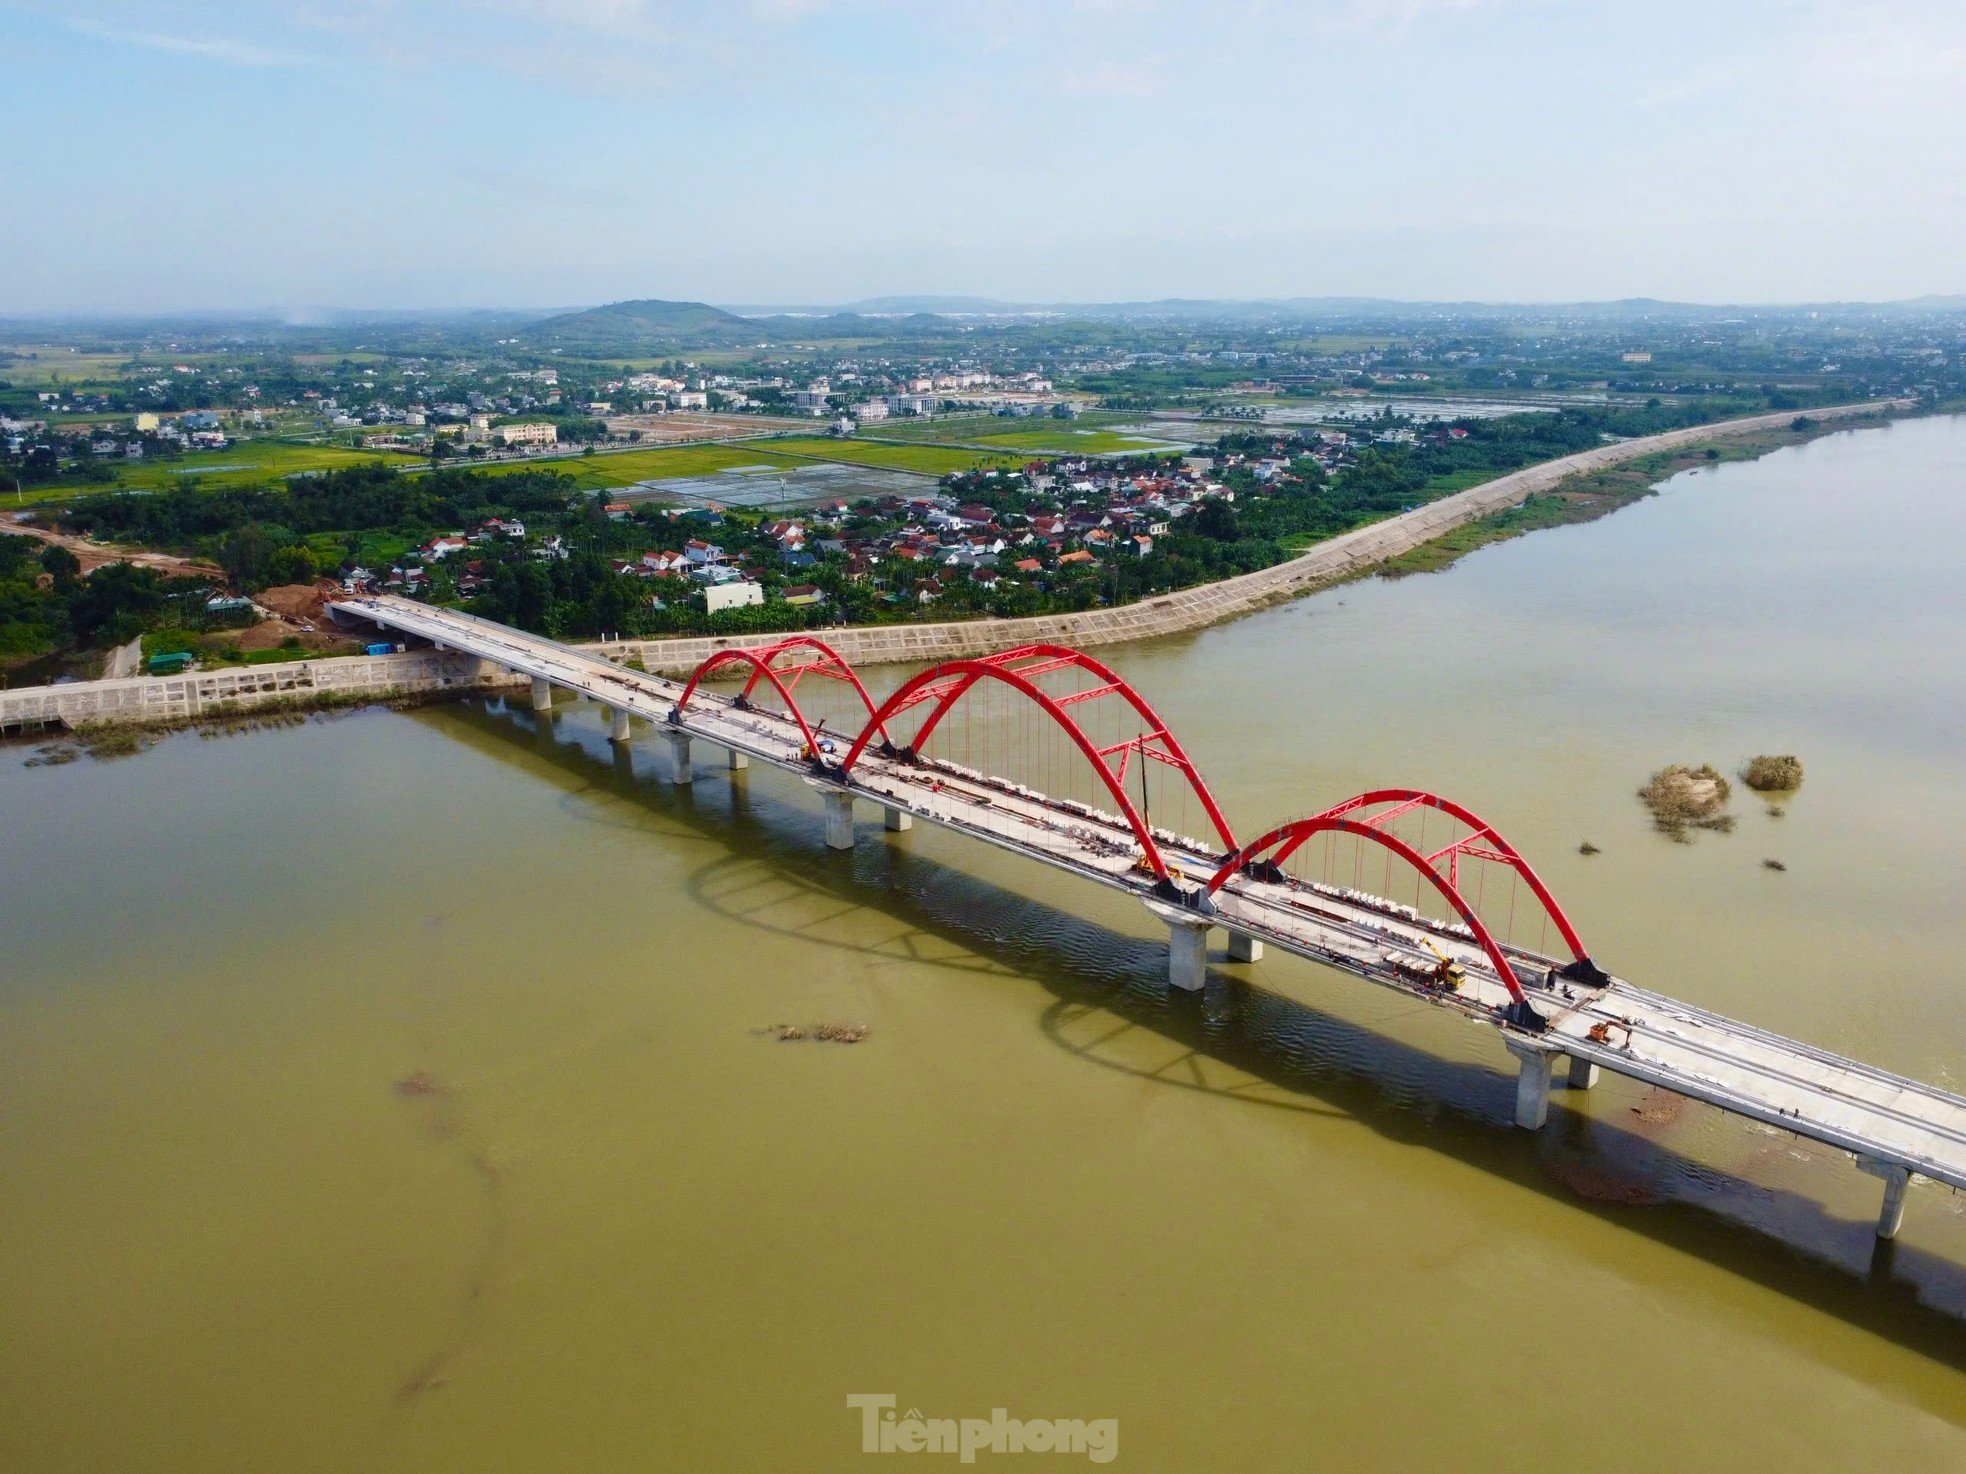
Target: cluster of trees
point(47, 606)
point(257, 534)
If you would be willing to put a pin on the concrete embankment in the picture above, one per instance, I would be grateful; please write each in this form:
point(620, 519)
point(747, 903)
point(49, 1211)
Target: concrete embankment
point(380, 677)
point(217, 693)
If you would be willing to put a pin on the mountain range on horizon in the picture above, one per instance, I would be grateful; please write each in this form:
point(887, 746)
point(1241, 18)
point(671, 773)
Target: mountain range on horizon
point(651, 322)
point(661, 322)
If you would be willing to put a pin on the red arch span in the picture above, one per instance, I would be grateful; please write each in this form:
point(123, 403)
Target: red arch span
point(831, 664)
point(947, 683)
point(1482, 843)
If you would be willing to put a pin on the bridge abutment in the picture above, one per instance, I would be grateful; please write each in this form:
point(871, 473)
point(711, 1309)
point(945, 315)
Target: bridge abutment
point(1532, 1086)
point(679, 768)
point(1891, 1216)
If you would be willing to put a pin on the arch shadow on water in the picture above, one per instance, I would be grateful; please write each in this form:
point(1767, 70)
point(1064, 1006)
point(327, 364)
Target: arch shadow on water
point(1110, 1006)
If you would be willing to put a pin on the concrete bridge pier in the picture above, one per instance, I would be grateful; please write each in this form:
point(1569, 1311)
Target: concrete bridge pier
point(1532, 1085)
point(1891, 1217)
point(1187, 946)
point(1583, 1073)
point(1187, 955)
point(679, 769)
point(839, 819)
point(739, 761)
point(617, 724)
point(896, 821)
point(542, 694)
point(1245, 948)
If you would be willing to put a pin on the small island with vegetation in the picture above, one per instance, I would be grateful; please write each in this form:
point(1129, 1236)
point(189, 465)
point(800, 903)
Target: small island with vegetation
point(1682, 799)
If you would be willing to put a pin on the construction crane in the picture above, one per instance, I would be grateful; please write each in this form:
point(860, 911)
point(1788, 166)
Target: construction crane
point(1448, 973)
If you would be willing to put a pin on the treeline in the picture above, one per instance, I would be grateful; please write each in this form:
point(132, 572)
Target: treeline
point(257, 534)
point(367, 498)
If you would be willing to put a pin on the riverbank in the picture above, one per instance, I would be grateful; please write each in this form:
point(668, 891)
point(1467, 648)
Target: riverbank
point(1589, 495)
point(1570, 488)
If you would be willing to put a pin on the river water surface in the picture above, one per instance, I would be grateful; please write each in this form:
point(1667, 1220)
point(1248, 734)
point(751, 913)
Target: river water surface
point(383, 1093)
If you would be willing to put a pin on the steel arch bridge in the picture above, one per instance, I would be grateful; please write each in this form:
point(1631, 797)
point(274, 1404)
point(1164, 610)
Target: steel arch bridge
point(1368, 817)
point(1897, 1128)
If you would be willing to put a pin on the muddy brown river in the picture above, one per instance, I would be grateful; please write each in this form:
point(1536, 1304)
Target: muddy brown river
point(388, 1093)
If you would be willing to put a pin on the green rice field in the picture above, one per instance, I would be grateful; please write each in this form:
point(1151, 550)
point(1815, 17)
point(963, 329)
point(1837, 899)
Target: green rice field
point(248, 462)
point(606, 470)
point(1062, 438)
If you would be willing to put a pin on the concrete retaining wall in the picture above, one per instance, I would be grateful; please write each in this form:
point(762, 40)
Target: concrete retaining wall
point(202, 693)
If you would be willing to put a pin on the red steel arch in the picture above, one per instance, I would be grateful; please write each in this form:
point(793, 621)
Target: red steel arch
point(830, 664)
point(946, 684)
point(1367, 816)
point(1482, 842)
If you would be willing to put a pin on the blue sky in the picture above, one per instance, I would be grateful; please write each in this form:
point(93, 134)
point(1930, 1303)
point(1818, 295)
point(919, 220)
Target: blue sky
point(297, 154)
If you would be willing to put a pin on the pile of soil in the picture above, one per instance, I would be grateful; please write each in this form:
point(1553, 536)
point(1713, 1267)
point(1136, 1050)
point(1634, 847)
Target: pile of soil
point(297, 601)
point(297, 604)
point(1683, 799)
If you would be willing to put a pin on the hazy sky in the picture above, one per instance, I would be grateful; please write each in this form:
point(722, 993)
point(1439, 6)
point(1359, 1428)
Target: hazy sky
point(300, 153)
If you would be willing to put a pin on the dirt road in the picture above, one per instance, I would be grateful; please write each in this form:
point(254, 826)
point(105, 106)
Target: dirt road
point(92, 555)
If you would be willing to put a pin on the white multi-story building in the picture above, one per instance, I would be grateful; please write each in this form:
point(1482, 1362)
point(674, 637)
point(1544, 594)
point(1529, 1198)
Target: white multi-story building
point(536, 433)
point(734, 595)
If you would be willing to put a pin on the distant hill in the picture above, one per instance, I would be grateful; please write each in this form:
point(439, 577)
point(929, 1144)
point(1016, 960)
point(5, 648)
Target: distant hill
point(651, 324)
point(643, 323)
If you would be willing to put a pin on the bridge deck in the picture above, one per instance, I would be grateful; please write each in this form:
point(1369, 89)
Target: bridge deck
point(1643, 1035)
